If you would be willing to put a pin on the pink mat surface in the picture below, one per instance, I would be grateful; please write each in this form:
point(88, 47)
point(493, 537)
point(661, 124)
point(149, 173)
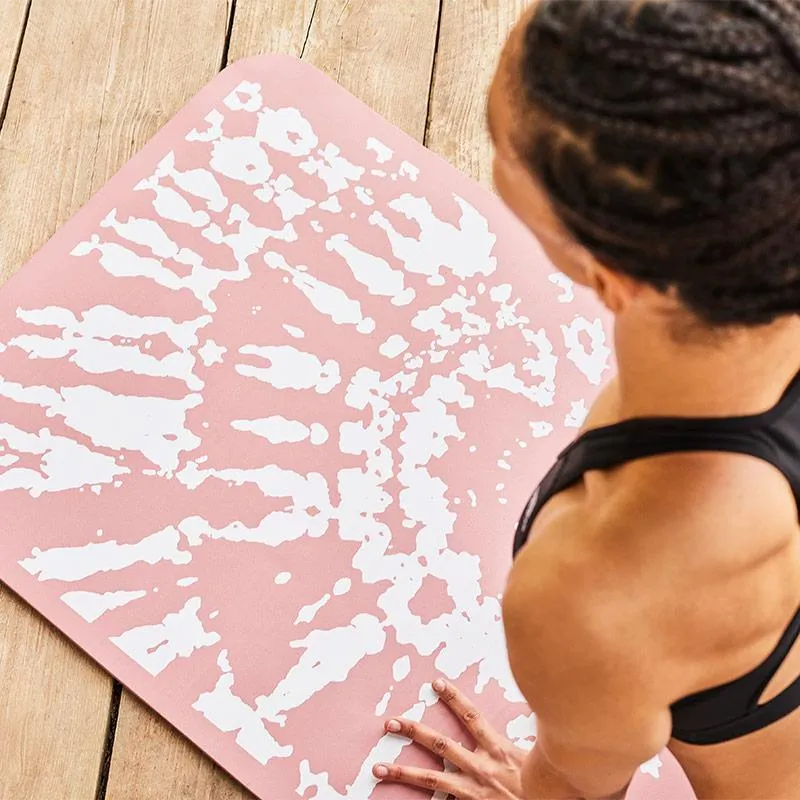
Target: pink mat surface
point(270, 405)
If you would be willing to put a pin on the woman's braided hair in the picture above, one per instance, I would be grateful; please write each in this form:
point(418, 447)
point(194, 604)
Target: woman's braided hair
point(667, 134)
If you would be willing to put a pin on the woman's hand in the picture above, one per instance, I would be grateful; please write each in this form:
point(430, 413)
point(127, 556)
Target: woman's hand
point(490, 772)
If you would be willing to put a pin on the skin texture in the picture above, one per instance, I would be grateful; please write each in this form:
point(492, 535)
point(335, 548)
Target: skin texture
point(688, 564)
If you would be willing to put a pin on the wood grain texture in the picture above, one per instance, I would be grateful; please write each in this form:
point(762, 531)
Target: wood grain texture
point(270, 26)
point(12, 20)
point(83, 102)
point(152, 760)
point(48, 141)
point(381, 51)
point(54, 709)
point(470, 39)
point(161, 54)
point(94, 81)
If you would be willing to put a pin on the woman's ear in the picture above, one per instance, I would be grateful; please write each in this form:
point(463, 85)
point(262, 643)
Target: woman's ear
point(616, 291)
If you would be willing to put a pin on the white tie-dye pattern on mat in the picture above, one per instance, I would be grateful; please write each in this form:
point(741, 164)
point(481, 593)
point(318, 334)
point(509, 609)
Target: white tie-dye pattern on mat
point(269, 407)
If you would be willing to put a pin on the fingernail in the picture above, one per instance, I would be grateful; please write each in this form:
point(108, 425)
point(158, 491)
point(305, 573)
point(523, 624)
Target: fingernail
point(439, 685)
point(394, 726)
point(380, 771)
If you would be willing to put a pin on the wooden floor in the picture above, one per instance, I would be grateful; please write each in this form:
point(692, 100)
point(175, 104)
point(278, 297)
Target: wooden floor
point(83, 85)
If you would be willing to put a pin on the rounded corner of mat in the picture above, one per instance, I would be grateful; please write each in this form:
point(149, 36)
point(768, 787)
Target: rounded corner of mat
point(266, 64)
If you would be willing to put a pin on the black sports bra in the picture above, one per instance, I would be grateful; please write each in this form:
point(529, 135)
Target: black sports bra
point(732, 710)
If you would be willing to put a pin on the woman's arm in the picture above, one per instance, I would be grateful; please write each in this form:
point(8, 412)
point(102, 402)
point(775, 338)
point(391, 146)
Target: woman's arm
point(584, 656)
point(542, 780)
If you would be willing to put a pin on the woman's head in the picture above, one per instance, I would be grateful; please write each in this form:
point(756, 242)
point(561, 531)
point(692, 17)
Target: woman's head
point(654, 146)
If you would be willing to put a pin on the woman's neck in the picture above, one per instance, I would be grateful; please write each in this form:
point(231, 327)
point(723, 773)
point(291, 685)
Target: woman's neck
point(740, 372)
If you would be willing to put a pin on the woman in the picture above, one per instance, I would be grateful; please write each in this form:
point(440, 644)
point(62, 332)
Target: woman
point(654, 150)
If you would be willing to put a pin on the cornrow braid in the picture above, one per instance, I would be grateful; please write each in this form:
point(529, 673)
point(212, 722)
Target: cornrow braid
point(667, 134)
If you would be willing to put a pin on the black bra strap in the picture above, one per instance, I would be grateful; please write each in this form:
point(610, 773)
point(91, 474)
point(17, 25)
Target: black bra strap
point(606, 448)
point(759, 717)
point(767, 670)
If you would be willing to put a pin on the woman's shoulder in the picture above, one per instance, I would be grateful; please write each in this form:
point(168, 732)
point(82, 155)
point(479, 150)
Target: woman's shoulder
point(724, 508)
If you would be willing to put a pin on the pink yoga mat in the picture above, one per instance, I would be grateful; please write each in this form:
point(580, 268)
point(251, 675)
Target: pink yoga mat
point(270, 405)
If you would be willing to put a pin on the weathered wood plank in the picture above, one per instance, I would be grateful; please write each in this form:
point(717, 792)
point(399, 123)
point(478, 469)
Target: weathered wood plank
point(94, 81)
point(152, 760)
point(49, 137)
point(163, 53)
point(54, 709)
point(270, 26)
point(381, 51)
point(471, 35)
point(12, 14)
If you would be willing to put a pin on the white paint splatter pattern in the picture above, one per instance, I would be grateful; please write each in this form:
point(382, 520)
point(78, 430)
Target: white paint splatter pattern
point(307, 477)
